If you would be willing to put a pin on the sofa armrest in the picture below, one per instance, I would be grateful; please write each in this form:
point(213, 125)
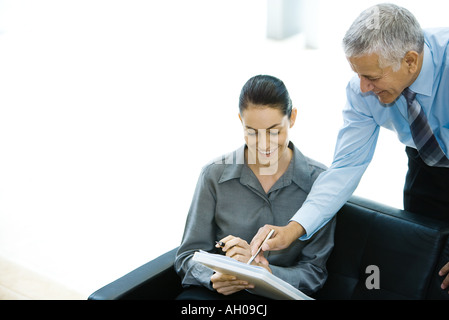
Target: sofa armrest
point(155, 280)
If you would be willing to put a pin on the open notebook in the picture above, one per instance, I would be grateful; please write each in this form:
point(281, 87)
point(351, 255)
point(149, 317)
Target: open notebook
point(265, 283)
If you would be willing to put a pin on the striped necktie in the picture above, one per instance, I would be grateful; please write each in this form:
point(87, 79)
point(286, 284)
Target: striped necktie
point(425, 141)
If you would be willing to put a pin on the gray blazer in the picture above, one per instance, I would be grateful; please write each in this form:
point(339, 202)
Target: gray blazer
point(229, 200)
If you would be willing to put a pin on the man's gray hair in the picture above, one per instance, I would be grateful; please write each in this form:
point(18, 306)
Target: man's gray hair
point(386, 30)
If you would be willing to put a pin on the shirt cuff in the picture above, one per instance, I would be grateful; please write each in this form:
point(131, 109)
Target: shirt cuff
point(306, 217)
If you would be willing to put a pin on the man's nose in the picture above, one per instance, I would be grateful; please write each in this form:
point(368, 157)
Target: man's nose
point(365, 85)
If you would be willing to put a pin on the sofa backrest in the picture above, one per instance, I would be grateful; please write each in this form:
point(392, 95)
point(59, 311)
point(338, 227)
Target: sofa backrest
point(385, 253)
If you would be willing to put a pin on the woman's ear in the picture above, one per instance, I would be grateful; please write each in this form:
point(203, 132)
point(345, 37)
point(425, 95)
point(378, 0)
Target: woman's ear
point(240, 117)
point(293, 117)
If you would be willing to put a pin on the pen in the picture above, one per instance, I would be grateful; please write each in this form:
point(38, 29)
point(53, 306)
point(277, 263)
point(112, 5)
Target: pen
point(258, 250)
point(220, 243)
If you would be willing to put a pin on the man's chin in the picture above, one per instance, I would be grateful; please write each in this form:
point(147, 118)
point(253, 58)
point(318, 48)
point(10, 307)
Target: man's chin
point(387, 99)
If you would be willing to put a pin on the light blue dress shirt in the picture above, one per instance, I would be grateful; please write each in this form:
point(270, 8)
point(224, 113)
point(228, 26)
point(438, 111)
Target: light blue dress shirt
point(363, 116)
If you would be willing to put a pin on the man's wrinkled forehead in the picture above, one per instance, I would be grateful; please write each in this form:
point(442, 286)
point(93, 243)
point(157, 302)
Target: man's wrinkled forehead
point(366, 66)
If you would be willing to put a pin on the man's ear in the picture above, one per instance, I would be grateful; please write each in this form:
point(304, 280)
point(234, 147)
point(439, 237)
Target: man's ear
point(412, 60)
point(240, 117)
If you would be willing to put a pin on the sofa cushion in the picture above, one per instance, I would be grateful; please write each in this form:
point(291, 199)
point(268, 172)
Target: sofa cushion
point(404, 247)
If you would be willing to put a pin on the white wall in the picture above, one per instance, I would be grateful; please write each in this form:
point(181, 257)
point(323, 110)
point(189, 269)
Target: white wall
point(109, 109)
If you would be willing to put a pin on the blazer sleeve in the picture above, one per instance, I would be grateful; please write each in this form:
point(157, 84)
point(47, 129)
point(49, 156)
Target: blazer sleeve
point(199, 234)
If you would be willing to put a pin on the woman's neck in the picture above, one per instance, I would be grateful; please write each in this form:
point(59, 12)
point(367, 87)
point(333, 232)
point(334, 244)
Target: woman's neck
point(269, 174)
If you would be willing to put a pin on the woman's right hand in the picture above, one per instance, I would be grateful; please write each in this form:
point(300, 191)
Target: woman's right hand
point(236, 248)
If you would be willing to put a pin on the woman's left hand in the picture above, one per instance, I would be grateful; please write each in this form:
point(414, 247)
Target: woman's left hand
point(226, 284)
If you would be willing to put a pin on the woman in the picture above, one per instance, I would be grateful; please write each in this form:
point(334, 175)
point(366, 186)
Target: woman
point(266, 181)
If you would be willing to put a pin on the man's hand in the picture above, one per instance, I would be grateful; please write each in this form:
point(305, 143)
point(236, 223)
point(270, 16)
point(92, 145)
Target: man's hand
point(281, 239)
point(445, 272)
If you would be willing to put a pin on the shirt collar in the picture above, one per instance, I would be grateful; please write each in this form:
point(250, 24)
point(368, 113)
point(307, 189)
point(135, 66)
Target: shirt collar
point(302, 175)
point(297, 172)
point(234, 163)
point(423, 84)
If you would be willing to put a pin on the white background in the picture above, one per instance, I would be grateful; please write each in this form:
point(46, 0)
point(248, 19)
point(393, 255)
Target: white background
point(109, 109)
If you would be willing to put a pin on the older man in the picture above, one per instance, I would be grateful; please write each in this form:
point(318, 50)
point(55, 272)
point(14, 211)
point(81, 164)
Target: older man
point(402, 84)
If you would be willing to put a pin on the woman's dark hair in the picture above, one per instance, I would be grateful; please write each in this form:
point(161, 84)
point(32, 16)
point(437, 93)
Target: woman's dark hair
point(267, 91)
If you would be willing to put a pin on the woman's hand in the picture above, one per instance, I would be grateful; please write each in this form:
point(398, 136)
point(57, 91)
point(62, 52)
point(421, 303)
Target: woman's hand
point(240, 250)
point(266, 266)
point(226, 284)
point(236, 248)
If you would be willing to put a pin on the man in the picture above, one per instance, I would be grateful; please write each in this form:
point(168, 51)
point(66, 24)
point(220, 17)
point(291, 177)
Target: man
point(402, 85)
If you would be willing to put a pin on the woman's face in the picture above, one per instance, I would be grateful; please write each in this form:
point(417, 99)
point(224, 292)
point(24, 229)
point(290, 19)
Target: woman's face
point(266, 134)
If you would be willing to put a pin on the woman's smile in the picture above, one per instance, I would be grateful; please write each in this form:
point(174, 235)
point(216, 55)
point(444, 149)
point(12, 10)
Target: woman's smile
point(268, 153)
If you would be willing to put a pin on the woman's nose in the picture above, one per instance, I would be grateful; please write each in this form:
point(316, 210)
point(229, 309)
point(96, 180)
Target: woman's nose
point(266, 138)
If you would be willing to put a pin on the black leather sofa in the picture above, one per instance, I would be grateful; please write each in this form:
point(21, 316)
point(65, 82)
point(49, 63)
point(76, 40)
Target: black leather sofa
point(407, 249)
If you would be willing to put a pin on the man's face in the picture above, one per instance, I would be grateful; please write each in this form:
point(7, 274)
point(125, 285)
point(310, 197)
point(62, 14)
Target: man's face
point(385, 83)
